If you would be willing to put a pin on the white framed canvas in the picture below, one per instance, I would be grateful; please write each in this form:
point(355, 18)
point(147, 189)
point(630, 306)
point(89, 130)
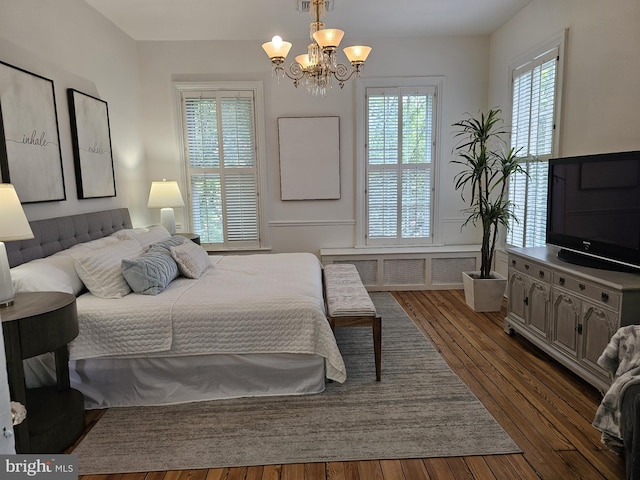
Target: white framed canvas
point(91, 138)
point(309, 158)
point(30, 155)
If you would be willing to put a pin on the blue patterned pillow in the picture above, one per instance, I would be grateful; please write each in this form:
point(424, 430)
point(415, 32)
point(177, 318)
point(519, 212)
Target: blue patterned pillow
point(151, 272)
point(174, 241)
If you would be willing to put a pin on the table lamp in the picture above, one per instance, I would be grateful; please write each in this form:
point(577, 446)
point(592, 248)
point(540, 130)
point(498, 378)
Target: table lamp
point(166, 195)
point(13, 226)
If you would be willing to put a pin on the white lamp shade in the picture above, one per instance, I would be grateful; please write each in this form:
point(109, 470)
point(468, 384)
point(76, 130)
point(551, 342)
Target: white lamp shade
point(357, 53)
point(304, 62)
point(13, 222)
point(13, 226)
point(277, 48)
point(165, 194)
point(328, 37)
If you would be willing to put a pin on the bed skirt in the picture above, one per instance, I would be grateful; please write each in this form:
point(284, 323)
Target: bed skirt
point(122, 382)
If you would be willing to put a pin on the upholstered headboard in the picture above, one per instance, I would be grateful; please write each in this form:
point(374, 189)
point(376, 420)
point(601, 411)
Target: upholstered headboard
point(55, 234)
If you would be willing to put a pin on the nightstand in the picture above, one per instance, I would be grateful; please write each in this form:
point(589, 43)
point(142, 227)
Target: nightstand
point(194, 237)
point(37, 323)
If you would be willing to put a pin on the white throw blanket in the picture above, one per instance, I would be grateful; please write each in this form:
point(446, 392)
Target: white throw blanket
point(621, 358)
point(245, 304)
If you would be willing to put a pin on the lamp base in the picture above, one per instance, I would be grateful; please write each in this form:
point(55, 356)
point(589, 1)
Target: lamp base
point(168, 220)
point(6, 287)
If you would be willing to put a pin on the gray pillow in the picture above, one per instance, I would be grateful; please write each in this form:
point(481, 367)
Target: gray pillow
point(151, 272)
point(174, 241)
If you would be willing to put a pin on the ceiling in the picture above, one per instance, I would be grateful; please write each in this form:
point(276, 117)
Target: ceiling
point(259, 20)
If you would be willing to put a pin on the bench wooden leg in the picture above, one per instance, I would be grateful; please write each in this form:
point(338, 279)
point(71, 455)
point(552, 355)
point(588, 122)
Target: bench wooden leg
point(370, 321)
point(377, 345)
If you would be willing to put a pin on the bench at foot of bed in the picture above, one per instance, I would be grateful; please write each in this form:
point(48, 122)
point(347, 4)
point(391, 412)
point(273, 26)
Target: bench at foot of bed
point(349, 304)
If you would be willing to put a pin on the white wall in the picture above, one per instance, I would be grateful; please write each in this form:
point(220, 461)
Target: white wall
point(311, 225)
point(71, 44)
point(601, 98)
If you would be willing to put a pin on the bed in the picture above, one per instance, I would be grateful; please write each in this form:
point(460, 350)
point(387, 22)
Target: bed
point(247, 325)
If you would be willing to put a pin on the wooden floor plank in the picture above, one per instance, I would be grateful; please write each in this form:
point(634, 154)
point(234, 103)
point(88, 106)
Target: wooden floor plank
point(545, 408)
point(438, 468)
point(479, 468)
point(134, 476)
point(237, 473)
point(370, 470)
point(392, 469)
point(335, 471)
point(219, 474)
point(459, 468)
point(255, 473)
point(271, 472)
point(315, 471)
point(293, 471)
point(415, 469)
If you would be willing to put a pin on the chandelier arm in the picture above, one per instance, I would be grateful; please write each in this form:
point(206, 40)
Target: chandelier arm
point(342, 73)
point(294, 72)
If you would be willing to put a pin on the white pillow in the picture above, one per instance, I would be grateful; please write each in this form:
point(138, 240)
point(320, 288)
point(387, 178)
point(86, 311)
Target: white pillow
point(89, 246)
point(124, 234)
point(149, 235)
point(56, 273)
point(101, 270)
point(192, 259)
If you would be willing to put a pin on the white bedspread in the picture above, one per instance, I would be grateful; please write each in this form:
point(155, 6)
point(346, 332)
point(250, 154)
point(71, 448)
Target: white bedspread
point(245, 304)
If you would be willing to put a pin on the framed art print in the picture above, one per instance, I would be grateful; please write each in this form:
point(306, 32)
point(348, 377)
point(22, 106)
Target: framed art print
point(91, 139)
point(309, 158)
point(30, 155)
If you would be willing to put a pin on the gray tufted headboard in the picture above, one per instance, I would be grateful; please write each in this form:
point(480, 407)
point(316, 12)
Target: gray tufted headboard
point(55, 234)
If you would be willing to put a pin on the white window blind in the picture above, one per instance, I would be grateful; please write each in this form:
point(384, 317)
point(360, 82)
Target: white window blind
point(399, 164)
point(532, 135)
point(219, 131)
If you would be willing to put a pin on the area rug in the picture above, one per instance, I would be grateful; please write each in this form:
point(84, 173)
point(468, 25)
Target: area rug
point(420, 409)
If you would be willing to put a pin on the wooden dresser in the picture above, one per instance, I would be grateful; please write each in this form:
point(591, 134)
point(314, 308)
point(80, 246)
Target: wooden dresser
point(569, 311)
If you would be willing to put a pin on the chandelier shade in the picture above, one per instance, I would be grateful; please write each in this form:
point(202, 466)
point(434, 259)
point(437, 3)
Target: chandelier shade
point(277, 48)
point(357, 54)
point(328, 37)
point(319, 66)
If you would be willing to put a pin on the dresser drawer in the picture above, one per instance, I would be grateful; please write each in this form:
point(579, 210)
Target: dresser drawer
point(531, 269)
point(594, 293)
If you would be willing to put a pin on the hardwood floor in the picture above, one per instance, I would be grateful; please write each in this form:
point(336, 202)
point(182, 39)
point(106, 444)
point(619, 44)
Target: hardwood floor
point(545, 408)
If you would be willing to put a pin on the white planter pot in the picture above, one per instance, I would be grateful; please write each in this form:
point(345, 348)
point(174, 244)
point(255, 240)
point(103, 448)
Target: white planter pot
point(484, 295)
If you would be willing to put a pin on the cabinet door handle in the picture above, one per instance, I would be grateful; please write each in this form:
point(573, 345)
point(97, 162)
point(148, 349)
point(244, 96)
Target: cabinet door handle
point(579, 329)
point(526, 300)
point(541, 273)
point(561, 280)
point(605, 297)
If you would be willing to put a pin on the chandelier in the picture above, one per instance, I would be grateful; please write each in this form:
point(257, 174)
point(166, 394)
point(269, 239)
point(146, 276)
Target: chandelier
point(319, 66)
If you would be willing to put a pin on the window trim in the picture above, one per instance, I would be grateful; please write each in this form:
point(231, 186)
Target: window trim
point(261, 150)
point(434, 82)
point(555, 42)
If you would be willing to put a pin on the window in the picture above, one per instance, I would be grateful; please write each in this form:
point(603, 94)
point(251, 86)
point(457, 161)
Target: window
point(221, 165)
point(533, 133)
point(399, 165)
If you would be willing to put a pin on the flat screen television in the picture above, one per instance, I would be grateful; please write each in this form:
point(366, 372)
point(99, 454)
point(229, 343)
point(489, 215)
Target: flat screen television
point(593, 210)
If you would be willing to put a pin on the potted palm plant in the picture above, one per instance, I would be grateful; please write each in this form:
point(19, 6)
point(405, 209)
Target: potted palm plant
point(486, 164)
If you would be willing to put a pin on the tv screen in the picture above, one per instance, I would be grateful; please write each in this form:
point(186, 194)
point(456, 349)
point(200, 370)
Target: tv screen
point(593, 209)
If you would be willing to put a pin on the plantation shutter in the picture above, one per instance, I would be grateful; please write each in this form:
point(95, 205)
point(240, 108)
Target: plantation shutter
point(532, 135)
point(222, 171)
point(400, 143)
